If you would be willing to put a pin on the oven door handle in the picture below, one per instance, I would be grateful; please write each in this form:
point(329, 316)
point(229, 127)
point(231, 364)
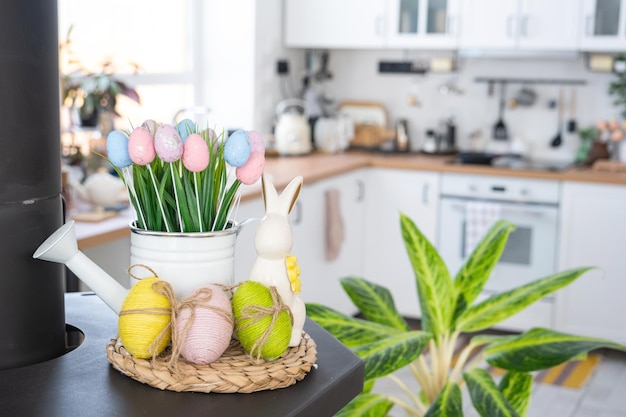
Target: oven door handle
point(510, 210)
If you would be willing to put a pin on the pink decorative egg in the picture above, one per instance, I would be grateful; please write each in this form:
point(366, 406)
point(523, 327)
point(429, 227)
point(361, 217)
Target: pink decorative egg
point(257, 144)
point(168, 144)
point(195, 153)
point(209, 334)
point(141, 146)
point(251, 171)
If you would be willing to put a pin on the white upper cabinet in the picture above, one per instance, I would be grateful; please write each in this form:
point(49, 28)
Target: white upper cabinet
point(536, 25)
point(335, 24)
point(424, 24)
point(603, 25)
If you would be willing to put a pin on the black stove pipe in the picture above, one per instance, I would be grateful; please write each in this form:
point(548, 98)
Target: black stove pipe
point(32, 316)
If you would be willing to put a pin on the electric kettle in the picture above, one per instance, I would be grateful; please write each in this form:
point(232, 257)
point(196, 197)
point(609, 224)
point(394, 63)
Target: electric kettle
point(293, 132)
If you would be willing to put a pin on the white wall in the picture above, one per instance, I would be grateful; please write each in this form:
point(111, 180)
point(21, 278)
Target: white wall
point(356, 78)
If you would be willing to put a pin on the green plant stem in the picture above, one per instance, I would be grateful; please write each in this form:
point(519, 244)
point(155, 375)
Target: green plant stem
point(158, 196)
point(408, 392)
point(424, 376)
point(411, 411)
point(434, 361)
point(180, 219)
point(461, 361)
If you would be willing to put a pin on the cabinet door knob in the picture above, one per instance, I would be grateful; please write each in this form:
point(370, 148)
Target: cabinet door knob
point(360, 191)
point(298, 213)
point(425, 194)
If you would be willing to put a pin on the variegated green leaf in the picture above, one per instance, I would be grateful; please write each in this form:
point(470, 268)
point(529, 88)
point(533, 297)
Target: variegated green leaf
point(366, 405)
point(448, 403)
point(471, 278)
point(503, 305)
point(517, 387)
point(349, 330)
point(374, 301)
point(388, 355)
point(542, 348)
point(434, 285)
point(486, 397)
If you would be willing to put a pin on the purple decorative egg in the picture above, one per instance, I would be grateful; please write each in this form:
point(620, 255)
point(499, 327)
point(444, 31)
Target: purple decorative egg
point(168, 144)
point(151, 126)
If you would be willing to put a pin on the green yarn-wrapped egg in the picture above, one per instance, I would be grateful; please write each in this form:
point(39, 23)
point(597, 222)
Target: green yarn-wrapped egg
point(255, 306)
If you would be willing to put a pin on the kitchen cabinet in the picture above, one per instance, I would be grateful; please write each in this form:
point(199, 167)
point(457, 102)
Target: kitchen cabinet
point(390, 192)
point(536, 25)
point(424, 24)
point(334, 24)
point(593, 233)
point(603, 25)
point(250, 211)
point(311, 224)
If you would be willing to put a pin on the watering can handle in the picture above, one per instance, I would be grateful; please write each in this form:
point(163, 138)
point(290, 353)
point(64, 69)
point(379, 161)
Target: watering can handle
point(246, 222)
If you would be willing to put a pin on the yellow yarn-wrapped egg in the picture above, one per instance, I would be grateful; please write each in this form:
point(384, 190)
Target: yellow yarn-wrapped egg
point(262, 323)
point(144, 322)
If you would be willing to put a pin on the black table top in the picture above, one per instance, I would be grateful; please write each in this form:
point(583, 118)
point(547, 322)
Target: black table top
point(83, 383)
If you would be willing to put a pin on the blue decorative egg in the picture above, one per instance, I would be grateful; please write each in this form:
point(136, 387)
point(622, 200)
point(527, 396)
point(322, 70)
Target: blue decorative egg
point(237, 148)
point(117, 149)
point(185, 128)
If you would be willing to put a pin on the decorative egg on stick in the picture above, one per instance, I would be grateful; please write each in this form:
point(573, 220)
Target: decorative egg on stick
point(117, 152)
point(142, 152)
point(251, 171)
point(169, 147)
point(196, 159)
point(185, 128)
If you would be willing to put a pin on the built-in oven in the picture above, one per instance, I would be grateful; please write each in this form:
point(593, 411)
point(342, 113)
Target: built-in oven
point(471, 203)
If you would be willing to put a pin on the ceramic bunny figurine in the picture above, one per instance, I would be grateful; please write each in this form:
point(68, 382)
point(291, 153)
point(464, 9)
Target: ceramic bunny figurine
point(274, 265)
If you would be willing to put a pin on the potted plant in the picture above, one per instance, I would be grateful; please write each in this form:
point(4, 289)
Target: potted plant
point(179, 184)
point(450, 308)
point(92, 93)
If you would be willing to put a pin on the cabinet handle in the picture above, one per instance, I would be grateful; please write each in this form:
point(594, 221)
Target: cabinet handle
point(425, 194)
point(379, 26)
point(509, 26)
point(588, 25)
point(298, 219)
point(524, 26)
point(360, 191)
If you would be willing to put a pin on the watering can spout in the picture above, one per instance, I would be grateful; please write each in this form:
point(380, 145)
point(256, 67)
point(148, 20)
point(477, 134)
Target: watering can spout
point(62, 247)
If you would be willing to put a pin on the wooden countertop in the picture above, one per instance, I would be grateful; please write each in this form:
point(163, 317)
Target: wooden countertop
point(319, 166)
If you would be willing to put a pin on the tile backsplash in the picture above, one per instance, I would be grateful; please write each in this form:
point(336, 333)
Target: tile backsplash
point(356, 77)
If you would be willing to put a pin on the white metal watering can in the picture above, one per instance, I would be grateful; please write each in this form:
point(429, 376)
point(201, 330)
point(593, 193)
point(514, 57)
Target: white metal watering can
point(188, 261)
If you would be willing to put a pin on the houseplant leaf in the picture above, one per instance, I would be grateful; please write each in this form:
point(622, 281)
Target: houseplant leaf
point(449, 402)
point(388, 355)
point(471, 278)
point(516, 388)
point(374, 301)
point(542, 348)
point(349, 330)
point(366, 405)
point(434, 285)
point(503, 305)
point(486, 397)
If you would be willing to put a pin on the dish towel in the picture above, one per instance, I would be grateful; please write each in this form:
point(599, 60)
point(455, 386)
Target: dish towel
point(479, 216)
point(334, 224)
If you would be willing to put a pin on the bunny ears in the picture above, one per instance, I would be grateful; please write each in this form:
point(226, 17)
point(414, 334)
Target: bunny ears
point(283, 203)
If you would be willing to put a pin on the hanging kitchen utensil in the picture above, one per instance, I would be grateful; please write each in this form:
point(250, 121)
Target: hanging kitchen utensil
point(499, 129)
point(556, 142)
point(571, 123)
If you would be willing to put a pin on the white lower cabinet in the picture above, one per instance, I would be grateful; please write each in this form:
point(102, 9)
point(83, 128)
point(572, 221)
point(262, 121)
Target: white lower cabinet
point(390, 192)
point(245, 253)
point(335, 205)
point(593, 233)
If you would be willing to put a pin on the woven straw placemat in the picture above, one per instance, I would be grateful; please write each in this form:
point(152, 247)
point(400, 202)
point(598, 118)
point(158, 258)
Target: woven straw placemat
point(233, 372)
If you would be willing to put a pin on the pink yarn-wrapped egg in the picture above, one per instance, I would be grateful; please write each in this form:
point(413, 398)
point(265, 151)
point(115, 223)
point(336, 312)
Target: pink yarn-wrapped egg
point(251, 171)
point(257, 144)
point(168, 144)
point(141, 146)
point(195, 153)
point(209, 334)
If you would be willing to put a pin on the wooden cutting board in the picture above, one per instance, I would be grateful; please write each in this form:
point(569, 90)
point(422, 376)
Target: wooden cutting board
point(370, 122)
